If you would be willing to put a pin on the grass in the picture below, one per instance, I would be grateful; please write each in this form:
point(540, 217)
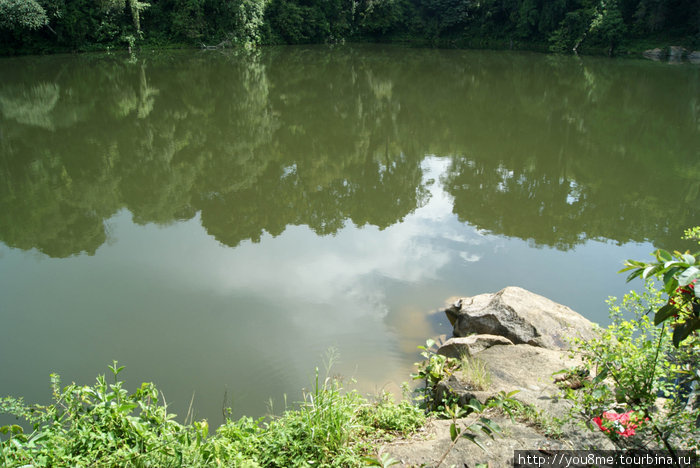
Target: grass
point(104, 425)
point(474, 373)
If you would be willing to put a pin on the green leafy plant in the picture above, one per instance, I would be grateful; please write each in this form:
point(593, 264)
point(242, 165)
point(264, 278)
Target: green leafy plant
point(389, 417)
point(384, 460)
point(100, 424)
point(431, 371)
point(632, 363)
point(679, 272)
point(104, 425)
point(533, 416)
point(470, 420)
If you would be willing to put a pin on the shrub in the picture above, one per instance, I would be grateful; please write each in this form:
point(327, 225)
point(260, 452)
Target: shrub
point(632, 363)
point(100, 425)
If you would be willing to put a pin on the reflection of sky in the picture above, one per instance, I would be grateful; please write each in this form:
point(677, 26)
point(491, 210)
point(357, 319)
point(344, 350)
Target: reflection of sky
point(181, 309)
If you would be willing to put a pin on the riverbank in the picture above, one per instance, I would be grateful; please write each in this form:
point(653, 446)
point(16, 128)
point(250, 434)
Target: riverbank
point(664, 50)
point(614, 29)
point(494, 388)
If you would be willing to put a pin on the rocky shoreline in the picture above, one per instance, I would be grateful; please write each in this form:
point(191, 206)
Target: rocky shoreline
point(672, 54)
point(522, 339)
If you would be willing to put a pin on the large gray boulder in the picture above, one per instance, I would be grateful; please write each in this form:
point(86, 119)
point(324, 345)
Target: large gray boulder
point(485, 328)
point(519, 315)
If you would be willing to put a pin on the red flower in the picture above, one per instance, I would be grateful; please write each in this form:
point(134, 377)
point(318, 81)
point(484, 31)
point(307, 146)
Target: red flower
point(599, 422)
point(624, 424)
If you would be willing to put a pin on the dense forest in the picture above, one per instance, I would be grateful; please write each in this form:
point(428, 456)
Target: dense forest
point(608, 26)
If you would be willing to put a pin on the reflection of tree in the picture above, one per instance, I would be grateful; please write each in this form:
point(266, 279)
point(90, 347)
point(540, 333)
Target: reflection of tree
point(31, 106)
point(607, 158)
point(556, 150)
point(168, 141)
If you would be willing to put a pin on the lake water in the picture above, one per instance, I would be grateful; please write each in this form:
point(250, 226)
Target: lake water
point(218, 221)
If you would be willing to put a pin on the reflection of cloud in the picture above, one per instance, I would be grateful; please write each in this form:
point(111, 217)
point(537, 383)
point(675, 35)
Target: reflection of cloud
point(343, 271)
point(467, 257)
point(345, 267)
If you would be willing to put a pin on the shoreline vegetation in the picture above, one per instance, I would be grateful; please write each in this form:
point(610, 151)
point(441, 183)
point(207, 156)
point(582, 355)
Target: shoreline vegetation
point(611, 27)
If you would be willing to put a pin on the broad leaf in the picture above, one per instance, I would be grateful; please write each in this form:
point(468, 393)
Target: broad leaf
point(634, 274)
point(453, 432)
point(473, 438)
point(663, 313)
point(663, 255)
point(649, 271)
point(602, 375)
point(684, 330)
point(688, 276)
point(475, 405)
point(493, 427)
point(689, 259)
point(670, 282)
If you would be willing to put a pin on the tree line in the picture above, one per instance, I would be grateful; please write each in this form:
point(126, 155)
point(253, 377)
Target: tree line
point(34, 26)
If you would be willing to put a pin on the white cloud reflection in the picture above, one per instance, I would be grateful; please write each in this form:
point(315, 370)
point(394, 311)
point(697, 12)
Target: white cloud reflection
point(299, 264)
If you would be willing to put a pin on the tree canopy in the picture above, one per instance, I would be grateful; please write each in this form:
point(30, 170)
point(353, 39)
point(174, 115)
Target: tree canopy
point(558, 25)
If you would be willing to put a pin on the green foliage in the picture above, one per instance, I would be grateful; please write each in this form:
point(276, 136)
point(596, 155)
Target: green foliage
point(188, 19)
point(393, 418)
point(22, 14)
point(431, 371)
point(385, 460)
point(565, 24)
point(104, 425)
point(249, 19)
point(632, 362)
point(692, 234)
point(533, 416)
point(100, 424)
point(380, 17)
point(679, 272)
point(471, 420)
point(297, 23)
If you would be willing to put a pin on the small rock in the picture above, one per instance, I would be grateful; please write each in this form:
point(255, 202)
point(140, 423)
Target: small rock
point(470, 345)
point(675, 53)
point(694, 56)
point(654, 54)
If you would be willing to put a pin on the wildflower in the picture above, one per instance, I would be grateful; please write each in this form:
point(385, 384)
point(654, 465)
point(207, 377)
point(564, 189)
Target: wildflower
point(623, 424)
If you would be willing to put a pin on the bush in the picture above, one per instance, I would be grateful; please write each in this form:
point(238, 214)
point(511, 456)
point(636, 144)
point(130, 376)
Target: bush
point(633, 363)
point(100, 424)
